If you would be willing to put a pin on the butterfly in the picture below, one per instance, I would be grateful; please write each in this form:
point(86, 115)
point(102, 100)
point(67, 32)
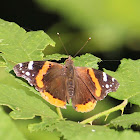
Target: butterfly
point(59, 83)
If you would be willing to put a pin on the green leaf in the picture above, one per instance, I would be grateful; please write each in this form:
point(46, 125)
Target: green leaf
point(92, 132)
point(128, 75)
point(56, 57)
point(87, 60)
point(8, 130)
point(45, 124)
point(127, 120)
point(17, 45)
point(75, 131)
point(24, 105)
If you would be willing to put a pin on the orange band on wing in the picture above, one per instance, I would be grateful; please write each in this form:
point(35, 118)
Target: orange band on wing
point(54, 101)
point(95, 80)
point(85, 107)
point(41, 73)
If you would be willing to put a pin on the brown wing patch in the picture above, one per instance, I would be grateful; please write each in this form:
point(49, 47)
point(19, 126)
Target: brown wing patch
point(83, 100)
point(87, 76)
point(55, 84)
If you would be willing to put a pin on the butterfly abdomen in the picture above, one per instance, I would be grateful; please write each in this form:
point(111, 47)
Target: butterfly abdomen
point(70, 87)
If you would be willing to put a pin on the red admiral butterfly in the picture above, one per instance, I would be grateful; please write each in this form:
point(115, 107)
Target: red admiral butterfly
point(59, 83)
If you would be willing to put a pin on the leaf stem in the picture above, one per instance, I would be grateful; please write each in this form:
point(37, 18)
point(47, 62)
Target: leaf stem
point(107, 112)
point(59, 112)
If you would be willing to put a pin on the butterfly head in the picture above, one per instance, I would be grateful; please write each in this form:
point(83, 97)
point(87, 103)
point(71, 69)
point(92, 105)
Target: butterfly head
point(68, 61)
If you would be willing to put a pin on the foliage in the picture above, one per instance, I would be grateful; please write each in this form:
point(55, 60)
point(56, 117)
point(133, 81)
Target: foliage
point(19, 46)
point(7, 124)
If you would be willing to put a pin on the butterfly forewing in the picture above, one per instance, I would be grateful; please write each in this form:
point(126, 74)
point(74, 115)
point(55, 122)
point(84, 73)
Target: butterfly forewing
point(99, 83)
point(107, 83)
point(47, 77)
point(29, 70)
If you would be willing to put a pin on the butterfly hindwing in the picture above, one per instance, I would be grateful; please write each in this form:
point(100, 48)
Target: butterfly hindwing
point(82, 100)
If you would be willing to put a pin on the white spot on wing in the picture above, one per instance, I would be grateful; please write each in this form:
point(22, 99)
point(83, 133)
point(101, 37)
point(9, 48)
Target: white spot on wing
point(27, 73)
point(20, 64)
point(104, 77)
point(23, 71)
point(30, 65)
point(113, 79)
point(107, 86)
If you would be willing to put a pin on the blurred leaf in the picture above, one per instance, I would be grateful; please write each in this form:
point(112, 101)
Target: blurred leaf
point(110, 22)
point(127, 12)
point(127, 120)
point(128, 75)
point(8, 130)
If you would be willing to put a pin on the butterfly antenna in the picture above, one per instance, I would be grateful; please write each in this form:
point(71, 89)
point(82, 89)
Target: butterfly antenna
point(62, 43)
point(83, 46)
